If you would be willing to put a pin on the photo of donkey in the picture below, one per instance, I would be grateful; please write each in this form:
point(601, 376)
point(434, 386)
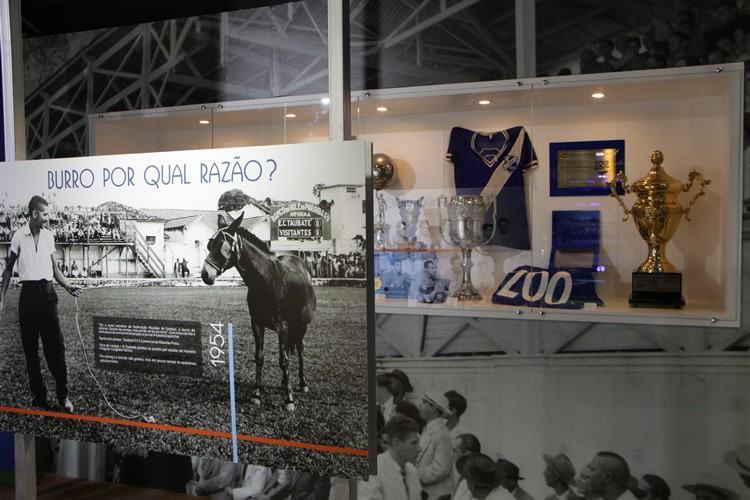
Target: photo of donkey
point(280, 296)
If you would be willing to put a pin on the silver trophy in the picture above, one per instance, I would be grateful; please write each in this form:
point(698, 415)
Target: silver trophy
point(466, 231)
point(409, 211)
point(381, 228)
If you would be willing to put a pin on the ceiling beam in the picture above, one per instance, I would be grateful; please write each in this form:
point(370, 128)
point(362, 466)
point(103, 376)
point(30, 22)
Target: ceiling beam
point(395, 38)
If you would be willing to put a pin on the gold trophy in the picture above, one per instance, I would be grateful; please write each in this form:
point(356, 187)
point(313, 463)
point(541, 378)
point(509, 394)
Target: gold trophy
point(657, 214)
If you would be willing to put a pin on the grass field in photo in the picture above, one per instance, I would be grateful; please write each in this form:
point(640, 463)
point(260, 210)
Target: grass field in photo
point(333, 413)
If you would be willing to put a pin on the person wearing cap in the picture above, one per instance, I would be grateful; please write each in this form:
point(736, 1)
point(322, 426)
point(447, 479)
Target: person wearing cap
point(397, 477)
point(558, 475)
point(652, 487)
point(709, 491)
point(606, 476)
point(509, 476)
point(739, 460)
point(480, 479)
point(435, 461)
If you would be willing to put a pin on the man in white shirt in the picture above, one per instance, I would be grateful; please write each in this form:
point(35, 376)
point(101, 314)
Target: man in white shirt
point(606, 477)
point(32, 250)
point(397, 477)
point(435, 461)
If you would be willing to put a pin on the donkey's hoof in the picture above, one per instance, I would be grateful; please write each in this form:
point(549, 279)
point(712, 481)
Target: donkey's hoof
point(290, 407)
point(304, 388)
point(255, 401)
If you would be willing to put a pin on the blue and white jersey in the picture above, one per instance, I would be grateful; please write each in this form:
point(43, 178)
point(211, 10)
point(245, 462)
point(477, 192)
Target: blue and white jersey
point(493, 165)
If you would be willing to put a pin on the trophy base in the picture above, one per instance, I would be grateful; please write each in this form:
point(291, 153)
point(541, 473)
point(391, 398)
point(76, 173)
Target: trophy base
point(657, 290)
point(467, 292)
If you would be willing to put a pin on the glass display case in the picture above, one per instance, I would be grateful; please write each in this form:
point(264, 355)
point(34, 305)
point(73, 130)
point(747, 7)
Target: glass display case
point(560, 247)
point(564, 246)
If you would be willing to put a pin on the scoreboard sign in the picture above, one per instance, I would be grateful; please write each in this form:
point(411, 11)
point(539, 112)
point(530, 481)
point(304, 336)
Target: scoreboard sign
point(300, 220)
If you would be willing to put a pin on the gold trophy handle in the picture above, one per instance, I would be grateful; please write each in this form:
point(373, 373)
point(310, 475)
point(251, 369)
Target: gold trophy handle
point(686, 187)
point(619, 178)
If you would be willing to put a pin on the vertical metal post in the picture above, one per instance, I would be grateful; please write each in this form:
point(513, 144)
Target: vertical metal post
point(11, 48)
point(525, 38)
point(14, 131)
point(25, 466)
point(339, 71)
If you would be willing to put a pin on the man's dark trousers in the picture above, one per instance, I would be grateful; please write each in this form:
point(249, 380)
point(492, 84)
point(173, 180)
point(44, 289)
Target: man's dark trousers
point(37, 311)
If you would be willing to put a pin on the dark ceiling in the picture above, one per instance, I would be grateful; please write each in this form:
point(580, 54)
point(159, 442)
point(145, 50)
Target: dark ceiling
point(49, 17)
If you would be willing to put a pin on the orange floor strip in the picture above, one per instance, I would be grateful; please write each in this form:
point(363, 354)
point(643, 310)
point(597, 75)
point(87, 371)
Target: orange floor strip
point(186, 430)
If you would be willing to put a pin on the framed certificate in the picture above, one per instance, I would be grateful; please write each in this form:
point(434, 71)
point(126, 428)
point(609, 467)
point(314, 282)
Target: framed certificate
point(584, 168)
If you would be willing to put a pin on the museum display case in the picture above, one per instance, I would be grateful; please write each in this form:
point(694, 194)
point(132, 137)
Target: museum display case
point(586, 253)
point(573, 255)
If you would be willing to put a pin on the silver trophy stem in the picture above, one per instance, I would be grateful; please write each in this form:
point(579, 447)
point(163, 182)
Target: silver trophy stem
point(466, 291)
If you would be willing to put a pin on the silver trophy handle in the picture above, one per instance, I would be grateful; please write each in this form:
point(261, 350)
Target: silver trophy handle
point(494, 222)
point(442, 202)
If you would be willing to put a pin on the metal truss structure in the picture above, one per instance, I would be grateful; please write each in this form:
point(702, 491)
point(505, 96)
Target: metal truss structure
point(265, 52)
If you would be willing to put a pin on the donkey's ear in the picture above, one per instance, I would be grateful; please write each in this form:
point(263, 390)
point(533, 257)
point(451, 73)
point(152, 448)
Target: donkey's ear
point(236, 222)
point(222, 221)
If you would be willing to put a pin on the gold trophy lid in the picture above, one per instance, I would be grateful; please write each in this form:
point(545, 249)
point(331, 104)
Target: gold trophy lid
point(657, 181)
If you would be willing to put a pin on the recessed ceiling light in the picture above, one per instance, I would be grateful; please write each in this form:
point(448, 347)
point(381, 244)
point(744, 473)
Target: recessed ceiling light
point(326, 100)
point(598, 95)
point(382, 109)
point(204, 122)
point(484, 102)
point(290, 115)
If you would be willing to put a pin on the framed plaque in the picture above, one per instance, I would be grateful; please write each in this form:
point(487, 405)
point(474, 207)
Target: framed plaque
point(584, 168)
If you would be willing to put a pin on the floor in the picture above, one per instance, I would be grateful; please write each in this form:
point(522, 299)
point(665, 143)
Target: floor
point(52, 487)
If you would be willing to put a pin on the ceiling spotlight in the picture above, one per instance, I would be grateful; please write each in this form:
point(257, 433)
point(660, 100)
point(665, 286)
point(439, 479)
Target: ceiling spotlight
point(598, 95)
point(326, 101)
point(382, 109)
point(484, 102)
point(204, 122)
point(290, 115)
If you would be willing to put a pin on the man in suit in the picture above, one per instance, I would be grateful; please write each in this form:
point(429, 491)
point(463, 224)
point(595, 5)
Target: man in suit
point(606, 477)
point(509, 476)
point(397, 477)
point(435, 461)
point(558, 475)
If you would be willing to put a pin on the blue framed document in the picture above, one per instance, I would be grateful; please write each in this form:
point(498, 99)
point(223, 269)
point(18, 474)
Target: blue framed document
point(584, 168)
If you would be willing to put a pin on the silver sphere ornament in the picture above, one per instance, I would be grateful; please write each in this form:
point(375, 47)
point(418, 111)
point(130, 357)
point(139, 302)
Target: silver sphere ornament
point(383, 171)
